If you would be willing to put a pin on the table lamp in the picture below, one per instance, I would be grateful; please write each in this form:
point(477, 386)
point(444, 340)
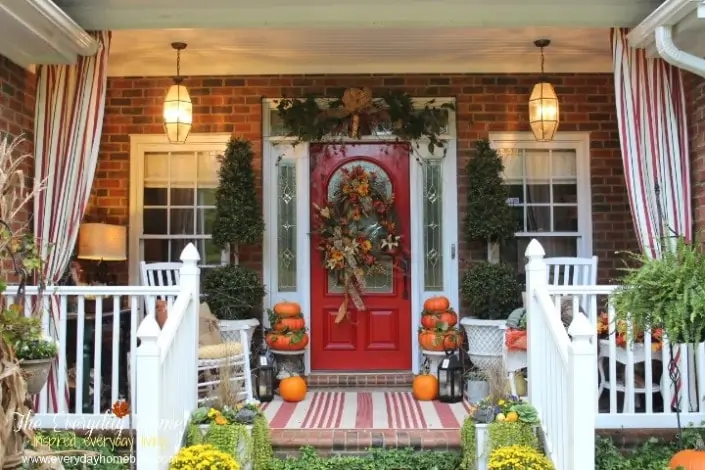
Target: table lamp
point(102, 242)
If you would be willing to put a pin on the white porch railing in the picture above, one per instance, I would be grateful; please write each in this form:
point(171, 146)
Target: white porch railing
point(167, 374)
point(562, 375)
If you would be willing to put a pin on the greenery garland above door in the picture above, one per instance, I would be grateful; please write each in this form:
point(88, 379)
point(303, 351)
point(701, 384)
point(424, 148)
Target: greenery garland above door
point(356, 112)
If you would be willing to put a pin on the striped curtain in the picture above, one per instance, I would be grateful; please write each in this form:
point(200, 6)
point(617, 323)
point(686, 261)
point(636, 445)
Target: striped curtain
point(654, 139)
point(68, 123)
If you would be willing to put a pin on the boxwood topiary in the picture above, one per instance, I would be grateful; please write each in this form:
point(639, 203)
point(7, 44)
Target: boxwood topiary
point(492, 291)
point(234, 292)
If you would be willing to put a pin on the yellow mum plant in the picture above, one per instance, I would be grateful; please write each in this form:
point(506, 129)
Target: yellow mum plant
point(518, 458)
point(203, 457)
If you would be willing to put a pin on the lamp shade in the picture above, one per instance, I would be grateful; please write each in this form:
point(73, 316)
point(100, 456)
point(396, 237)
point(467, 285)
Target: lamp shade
point(178, 114)
point(102, 242)
point(543, 112)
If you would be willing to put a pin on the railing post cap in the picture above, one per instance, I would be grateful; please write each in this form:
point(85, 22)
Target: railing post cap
point(534, 250)
point(190, 254)
point(149, 328)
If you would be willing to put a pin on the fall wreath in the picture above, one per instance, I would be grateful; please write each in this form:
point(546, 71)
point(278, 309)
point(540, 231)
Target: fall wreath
point(356, 229)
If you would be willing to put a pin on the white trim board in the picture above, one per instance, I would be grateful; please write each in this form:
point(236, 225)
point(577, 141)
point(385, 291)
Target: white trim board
point(280, 149)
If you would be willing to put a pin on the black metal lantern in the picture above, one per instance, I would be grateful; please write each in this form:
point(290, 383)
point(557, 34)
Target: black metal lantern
point(265, 379)
point(450, 379)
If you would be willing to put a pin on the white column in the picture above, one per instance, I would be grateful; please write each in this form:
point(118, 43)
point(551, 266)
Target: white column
point(582, 393)
point(536, 280)
point(148, 394)
point(190, 284)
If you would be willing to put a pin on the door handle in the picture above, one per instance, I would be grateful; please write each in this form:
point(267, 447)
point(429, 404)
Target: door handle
point(405, 273)
point(452, 251)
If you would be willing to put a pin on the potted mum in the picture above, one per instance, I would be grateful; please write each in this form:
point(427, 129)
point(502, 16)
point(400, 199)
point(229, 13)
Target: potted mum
point(203, 457)
point(33, 350)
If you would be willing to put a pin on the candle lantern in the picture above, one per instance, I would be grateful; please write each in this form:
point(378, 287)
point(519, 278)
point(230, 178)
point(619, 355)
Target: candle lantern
point(450, 379)
point(265, 378)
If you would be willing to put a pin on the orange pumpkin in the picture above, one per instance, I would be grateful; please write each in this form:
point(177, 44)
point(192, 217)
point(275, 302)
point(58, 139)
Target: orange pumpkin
point(287, 309)
point(425, 387)
point(442, 320)
point(279, 341)
point(293, 389)
point(289, 323)
point(436, 304)
point(689, 459)
point(431, 340)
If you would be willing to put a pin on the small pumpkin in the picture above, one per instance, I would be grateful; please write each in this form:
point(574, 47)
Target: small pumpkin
point(425, 386)
point(690, 459)
point(442, 320)
point(293, 389)
point(290, 341)
point(289, 323)
point(433, 340)
point(287, 309)
point(436, 304)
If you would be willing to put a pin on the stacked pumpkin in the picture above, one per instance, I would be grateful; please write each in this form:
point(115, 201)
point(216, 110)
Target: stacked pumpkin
point(288, 328)
point(438, 321)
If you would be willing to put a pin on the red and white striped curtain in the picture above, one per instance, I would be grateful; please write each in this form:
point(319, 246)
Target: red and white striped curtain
point(68, 124)
point(654, 139)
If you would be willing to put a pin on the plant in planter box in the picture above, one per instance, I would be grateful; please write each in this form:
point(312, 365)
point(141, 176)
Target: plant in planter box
point(518, 456)
point(235, 296)
point(667, 292)
point(203, 457)
point(492, 291)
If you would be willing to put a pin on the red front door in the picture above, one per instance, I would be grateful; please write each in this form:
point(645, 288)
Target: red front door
point(378, 337)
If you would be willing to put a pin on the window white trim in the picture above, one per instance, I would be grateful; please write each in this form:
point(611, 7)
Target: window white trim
point(578, 141)
point(139, 146)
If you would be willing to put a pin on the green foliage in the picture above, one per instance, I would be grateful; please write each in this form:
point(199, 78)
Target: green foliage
point(468, 444)
point(230, 438)
point(489, 217)
point(67, 441)
point(377, 459)
point(24, 335)
point(238, 219)
point(505, 434)
point(234, 292)
point(667, 292)
point(261, 444)
point(310, 120)
point(492, 291)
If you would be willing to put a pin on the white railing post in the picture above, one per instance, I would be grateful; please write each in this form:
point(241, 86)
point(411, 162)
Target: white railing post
point(148, 393)
point(190, 281)
point(582, 393)
point(536, 280)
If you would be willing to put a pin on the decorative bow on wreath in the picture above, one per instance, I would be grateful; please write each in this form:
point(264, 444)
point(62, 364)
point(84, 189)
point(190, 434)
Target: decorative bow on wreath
point(356, 228)
point(356, 102)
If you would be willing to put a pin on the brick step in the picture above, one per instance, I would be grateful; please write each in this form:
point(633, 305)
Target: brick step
point(360, 380)
point(288, 442)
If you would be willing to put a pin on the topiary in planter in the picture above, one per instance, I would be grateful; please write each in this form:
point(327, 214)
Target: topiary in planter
point(492, 291)
point(234, 293)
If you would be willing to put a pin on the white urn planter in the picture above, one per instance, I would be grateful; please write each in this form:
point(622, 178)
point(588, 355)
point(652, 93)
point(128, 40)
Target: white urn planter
point(485, 339)
point(229, 329)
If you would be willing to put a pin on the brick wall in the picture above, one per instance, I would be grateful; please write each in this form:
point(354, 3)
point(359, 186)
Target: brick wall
point(485, 103)
point(17, 87)
point(695, 99)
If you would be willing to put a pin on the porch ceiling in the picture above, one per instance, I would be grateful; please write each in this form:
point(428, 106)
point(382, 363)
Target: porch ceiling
point(364, 50)
point(162, 14)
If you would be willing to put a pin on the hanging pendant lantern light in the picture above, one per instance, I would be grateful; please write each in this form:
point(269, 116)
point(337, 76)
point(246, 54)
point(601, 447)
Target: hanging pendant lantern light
point(178, 110)
point(543, 104)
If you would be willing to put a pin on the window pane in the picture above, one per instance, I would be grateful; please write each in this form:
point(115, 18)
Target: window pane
point(512, 252)
point(155, 197)
point(513, 164)
point(565, 218)
point(155, 251)
point(154, 221)
point(208, 165)
point(181, 221)
point(538, 218)
point(538, 193)
point(537, 166)
point(564, 165)
point(181, 197)
point(177, 246)
point(206, 197)
point(156, 169)
point(516, 193)
point(286, 226)
point(210, 253)
point(433, 225)
point(276, 124)
point(565, 193)
point(204, 221)
point(182, 169)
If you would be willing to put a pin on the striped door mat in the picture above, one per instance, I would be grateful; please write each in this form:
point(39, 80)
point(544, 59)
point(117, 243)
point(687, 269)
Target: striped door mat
point(364, 410)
